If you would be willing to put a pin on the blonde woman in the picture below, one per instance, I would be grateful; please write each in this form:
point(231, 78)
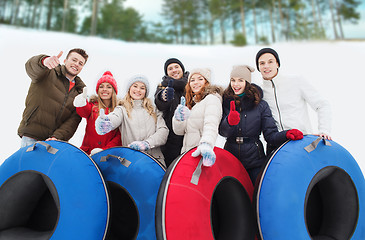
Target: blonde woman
point(140, 123)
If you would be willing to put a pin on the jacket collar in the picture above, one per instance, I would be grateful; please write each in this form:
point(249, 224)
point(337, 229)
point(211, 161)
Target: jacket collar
point(61, 72)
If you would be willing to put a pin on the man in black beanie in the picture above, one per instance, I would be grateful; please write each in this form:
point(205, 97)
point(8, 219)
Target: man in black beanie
point(167, 97)
point(173, 60)
point(267, 50)
point(289, 96)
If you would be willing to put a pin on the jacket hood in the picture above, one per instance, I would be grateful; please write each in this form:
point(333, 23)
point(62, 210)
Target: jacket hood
point(213, 89)
point(93, 99)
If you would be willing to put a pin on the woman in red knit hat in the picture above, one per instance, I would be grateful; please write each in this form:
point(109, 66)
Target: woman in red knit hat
point(106, 98)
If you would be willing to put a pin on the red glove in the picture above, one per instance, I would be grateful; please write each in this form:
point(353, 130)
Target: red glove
point(294, 134)
point(233, 116)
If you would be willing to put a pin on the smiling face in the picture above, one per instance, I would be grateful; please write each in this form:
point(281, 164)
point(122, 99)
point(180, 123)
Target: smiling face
point(74, 64)
point(268, 66)
point(197, 82)
point(105, 91)
point(174, 70)
point(137, 91)
point(238, 85)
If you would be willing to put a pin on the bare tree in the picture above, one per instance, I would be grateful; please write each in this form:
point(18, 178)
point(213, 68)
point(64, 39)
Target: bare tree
point(64, 15)
point(94, 17)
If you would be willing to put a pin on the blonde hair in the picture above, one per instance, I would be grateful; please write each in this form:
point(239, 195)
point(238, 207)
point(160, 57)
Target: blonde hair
point(127, 102)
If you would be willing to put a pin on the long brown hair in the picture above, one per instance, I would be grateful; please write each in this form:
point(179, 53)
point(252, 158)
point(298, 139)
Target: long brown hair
point(193, 98)
point(251, 92)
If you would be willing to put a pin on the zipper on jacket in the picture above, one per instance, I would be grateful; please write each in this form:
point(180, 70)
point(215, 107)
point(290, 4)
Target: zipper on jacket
point(239, 133)
point(258, 149)
point(59, 115)
point(277, 105)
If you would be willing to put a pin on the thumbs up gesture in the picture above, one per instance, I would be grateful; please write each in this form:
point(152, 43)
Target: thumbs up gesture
point(168, 93)
point(182, 112)
point(103, 125)
point(52, 62)
point(233, 116)
point(81, 99)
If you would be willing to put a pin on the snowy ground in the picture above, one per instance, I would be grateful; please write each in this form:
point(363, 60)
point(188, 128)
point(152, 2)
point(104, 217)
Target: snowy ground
point(335, 68)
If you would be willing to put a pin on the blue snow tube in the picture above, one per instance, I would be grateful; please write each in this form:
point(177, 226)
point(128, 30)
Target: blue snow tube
point(52, 190)
point(133, 179)
point(311, 189)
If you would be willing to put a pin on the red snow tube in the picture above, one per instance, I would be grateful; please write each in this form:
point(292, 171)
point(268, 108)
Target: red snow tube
point(215, 204)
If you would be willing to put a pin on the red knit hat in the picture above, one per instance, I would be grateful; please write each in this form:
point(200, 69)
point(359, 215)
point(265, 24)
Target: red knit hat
point(107, 77)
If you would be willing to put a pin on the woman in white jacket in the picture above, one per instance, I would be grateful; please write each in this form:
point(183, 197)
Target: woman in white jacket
point(198, 121)
point(141, 125)
point(289, 97)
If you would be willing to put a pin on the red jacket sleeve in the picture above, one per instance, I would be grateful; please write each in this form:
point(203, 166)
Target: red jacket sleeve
point(86, 110)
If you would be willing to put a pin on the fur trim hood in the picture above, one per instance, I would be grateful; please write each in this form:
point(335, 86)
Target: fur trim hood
point(213, 89)
point(93, 99)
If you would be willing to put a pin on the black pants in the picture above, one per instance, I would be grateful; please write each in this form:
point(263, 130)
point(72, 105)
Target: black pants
point(171, 150)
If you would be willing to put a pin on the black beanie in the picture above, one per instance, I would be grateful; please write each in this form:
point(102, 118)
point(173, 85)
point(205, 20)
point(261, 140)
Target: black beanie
point(173, 60)
point(266, 50)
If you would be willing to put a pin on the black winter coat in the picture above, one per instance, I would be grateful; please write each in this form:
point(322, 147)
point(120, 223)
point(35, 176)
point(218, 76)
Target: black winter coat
point(254, 120)
point(174, 143)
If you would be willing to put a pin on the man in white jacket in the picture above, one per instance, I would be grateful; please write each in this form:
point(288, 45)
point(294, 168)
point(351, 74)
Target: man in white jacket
point(289, 96)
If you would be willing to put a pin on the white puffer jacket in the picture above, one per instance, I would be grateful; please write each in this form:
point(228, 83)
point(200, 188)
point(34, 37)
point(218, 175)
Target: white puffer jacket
point(288, 97)
point(141, 126)
point(202, 124)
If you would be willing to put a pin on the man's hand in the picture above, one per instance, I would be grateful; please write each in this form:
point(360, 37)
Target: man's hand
point(51, 138)
point(52, 62)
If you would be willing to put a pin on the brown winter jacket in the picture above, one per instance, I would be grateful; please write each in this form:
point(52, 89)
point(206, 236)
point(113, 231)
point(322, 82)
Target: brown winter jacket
point(49, 110)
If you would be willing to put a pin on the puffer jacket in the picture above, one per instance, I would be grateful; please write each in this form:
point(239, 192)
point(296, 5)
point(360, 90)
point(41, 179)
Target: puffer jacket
point(202, 124)
point(288, 96)
point(174, 142)
point(141, 126)
point(49, 109)
point(243, 139)
point(91, 139)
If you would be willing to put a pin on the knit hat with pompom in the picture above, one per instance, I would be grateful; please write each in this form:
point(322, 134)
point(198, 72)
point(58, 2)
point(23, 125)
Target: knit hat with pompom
point(242, 71)
point(107, 77)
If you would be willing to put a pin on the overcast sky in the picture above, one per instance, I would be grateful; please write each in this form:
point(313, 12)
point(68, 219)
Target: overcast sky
point(152, 11)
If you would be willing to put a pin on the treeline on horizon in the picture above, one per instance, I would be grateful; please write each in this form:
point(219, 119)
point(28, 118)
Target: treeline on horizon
point(238, 22)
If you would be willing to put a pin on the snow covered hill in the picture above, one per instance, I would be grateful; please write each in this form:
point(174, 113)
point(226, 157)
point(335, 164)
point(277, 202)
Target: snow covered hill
point(335, 68)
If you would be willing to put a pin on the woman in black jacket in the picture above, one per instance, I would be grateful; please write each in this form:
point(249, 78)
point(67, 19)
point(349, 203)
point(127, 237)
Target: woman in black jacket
point(245, 116)
point(167, 97)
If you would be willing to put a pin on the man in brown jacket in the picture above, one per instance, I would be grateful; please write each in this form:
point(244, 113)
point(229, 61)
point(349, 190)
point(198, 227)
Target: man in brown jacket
point(49, 112)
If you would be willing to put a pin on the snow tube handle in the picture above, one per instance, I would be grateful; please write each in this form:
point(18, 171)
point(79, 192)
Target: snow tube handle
point(49, 148)
point(122, 161)
point(196, 174)
point(311, 147)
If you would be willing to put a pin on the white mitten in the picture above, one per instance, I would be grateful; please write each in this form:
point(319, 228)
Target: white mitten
point(95, 150)
point(182, 112)
point(206, 151)
point(140, 145)
point(81, 99)
point(103, 124)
